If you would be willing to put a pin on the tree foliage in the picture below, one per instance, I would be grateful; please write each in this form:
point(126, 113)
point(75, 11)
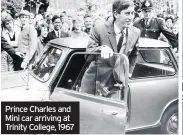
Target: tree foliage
point(13, 6)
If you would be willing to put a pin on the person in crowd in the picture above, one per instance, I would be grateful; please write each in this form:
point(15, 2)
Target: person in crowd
point(32, 16)
point(56, 33)
point(88, 23)
point(77, 26)
point(65, 28)
point(110, 19)
point(42, 32)
point(44, 4)
point(138, 15)
point(11, 36)
point(83, 28)
point(27, 41)
point(151, 27)
point(49, 22)
point(169, 22)
point(6, 47)
point(175, 31)
point(70, 22)
point(109, 38)
point(38, 20)
point(63, 18)
point(17, 24)
point(8, 31)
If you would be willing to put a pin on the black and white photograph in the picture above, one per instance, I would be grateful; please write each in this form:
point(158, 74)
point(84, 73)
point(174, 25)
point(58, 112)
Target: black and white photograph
point(91, 67)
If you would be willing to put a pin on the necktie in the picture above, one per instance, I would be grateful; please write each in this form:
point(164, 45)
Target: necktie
point(58, 34)
point(146, 22)
point(21, 28)
point(120, 42)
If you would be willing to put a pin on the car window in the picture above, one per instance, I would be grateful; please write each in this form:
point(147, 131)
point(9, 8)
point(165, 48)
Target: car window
point(44, 67)
point(92, 75)
point(152, 63)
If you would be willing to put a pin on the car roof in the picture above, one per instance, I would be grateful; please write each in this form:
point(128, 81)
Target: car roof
point(77, 43)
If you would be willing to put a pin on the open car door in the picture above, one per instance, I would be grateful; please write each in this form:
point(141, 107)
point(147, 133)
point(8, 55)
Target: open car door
point(101, 111)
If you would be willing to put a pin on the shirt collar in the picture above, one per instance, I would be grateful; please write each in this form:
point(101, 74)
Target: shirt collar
point(117, 30)
point(56, 32)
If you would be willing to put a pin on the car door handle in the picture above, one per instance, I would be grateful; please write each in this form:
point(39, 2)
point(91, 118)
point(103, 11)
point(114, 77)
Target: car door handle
point(110, 112)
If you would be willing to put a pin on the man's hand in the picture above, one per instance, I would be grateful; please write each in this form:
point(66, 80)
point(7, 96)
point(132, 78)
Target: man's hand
point(20, 54)
point(24, 65)
point(106, 52)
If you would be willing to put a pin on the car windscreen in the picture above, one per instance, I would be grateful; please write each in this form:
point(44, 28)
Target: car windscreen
point(47, 62)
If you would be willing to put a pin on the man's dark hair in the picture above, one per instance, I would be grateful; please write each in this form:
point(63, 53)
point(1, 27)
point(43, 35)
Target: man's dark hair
point(55, 17)
point(119, 5)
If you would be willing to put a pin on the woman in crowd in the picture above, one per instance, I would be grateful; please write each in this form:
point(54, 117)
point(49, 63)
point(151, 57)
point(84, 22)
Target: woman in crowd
point(42, 32)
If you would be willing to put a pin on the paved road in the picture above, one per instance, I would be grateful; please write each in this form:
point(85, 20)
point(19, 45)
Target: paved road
point(147, 131)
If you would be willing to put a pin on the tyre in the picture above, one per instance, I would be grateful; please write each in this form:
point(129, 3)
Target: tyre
point(169, 122)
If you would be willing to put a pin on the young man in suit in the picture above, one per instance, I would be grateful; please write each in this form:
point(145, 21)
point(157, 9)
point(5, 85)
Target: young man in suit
point(109, 38)
point(56, 33)
point(27, 41)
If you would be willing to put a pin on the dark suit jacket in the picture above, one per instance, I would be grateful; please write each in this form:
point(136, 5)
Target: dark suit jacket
point(104, 34)
point(51, 35)
point(7, 47)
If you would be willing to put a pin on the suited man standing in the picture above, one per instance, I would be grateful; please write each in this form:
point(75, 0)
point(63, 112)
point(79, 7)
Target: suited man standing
point(27, 41)
point(56, 33)
point(109, 38)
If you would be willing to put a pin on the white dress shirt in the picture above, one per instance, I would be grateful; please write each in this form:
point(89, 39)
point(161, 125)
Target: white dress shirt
point(118, 34)
point(57, 33)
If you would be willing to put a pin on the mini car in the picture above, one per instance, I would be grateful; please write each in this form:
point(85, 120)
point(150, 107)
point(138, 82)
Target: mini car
point(151, 99)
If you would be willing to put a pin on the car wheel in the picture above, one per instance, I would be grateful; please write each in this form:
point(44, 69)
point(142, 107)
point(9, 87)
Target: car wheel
point(169, 122)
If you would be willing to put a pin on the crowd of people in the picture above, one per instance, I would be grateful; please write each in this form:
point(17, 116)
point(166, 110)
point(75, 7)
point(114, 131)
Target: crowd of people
point(28, 34)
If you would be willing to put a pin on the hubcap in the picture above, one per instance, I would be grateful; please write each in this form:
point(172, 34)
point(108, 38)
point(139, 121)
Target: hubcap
point(172, 124)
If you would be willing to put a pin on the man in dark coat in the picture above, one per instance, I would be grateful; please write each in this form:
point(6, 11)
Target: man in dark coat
point(152, 27)
point(109, 38)
point(56, 33)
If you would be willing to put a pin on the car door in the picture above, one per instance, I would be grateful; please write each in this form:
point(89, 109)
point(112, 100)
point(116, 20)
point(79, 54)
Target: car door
point(98, 114)
point(153, 86)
